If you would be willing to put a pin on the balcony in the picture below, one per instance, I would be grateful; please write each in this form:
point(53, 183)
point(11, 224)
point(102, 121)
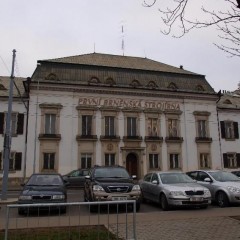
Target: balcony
point(86, 137)
point(174, 139)
point(153, 139)
point(132, 138)
point(203, 140)
point(109, 138)
point(48, 136)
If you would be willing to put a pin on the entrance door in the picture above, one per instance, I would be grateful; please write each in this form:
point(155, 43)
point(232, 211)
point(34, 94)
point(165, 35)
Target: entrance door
point(131, 164)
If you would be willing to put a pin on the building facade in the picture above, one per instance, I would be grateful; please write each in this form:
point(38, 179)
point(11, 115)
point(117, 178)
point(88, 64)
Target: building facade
point(17, 162)
point(100, 109)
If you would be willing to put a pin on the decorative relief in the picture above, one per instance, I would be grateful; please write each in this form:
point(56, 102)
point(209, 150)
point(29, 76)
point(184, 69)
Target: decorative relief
point(109, 147)
point(154, 147)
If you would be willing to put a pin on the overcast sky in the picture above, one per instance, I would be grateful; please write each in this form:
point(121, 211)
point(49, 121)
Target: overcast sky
point(49, 29)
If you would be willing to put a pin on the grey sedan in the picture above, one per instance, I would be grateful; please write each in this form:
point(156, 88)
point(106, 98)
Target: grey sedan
point(224, 186)
point(174, 189)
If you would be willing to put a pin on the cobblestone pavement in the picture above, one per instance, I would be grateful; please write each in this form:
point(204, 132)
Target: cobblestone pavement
point(219, 228)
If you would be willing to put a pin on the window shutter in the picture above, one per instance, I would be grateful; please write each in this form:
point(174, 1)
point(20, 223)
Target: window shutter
point(1, 122)
point(238, 160)
point(20, 123)
point(235, 125)
point(222, 129)
point(18, 161)
point(225, 160)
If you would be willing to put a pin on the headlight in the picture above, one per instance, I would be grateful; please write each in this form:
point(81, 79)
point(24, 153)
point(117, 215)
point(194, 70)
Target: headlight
point(207, 193)
point(24, 197)
point(58, 197)
point(233, 189)
point(98, 188)
point(176, 193)
point(136, 188)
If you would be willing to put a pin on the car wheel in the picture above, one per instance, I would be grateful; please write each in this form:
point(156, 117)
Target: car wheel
point(63, 210)
point(164, 202)
point(222, 199)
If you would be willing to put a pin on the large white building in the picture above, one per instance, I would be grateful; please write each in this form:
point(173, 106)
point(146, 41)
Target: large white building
point(106, 109)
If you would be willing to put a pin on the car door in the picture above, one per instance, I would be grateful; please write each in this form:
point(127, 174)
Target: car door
point(145, 186)
point(154, 188)
point(200, 179)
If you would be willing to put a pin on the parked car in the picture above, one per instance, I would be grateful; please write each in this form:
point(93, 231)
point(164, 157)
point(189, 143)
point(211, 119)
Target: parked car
point(43, 188)
point(174, 189)
point(76, 178)
point(111, 183)
point(224, 186)
point(237, 173)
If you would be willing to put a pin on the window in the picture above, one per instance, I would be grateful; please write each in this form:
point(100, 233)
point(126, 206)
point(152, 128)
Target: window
point(131, 126)
point(204, 160)
point(15, 161)
point(147, 178)
point(109, 126)
point(231, 160)
point(153, 161)
point(50, 123)
point(202, 128)
point(109, 159)
point(17, 123)
point(152, 127)
point(173, 127)
point(86, 160)
point(48, 161)
point(87, 125)
point(174, 161)
point(201, 176)
point(229, 130)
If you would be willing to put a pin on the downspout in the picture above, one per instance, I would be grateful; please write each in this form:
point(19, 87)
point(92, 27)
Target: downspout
point(219, 130)
point(185, 126)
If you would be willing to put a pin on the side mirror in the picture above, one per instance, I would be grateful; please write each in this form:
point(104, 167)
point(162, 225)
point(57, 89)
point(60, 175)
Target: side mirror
point(207, 179)
point(155, 182)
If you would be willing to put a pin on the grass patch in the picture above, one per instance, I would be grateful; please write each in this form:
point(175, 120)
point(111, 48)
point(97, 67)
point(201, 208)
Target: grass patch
point(61, 233)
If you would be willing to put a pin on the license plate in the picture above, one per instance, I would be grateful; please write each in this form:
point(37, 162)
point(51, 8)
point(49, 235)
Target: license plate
point(119, 198)
point(196, 199)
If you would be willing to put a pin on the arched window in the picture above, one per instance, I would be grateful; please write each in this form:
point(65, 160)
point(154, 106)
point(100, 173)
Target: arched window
point(2, 87)
point(110, 81)
point(94, 80)
point(51, 76)
point(227, 101)
point(200, 88)
point(152, 84)
point(172, 86)
point(135, 83)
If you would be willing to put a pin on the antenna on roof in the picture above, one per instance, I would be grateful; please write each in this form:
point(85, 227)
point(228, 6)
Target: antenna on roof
point(123, 43)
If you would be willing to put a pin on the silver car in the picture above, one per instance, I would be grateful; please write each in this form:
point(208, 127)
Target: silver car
point(224, 186)
point(174, 189)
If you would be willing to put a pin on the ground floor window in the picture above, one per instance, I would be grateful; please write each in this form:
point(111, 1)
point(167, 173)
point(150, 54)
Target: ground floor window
point(153, 161)
point(174, 161)
point(231, 160)
point(15, 161)
point(109, 159)
point(48, 161)
point(86, 160)
point(204, 160)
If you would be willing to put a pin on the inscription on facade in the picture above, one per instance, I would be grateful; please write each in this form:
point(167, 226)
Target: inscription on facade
point(128, 103)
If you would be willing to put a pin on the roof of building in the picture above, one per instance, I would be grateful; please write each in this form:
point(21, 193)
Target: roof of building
point(4, 86)
point(119, 71)
point(230, 100)
point(117, 61)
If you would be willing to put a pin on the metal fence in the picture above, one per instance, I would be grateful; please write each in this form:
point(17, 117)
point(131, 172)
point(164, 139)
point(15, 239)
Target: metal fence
point(110, 220)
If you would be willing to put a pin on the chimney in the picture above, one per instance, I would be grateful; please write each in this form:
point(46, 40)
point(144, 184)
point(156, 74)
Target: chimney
point(181, 67)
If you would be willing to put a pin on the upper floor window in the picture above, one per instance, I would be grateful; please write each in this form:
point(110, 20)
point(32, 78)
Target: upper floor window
point(17, 123)
point(173, 128)
point(202, 128)
point(174, 161)
point(109, 159)
point(152, 127)
point(50, 123)
point(86, 160)
point(87, 125)
point(204, 160)
point(153, 161)
point(229, 130)
point(48, 161)
point(231, 160)
point(131, 126)
point(109, 126)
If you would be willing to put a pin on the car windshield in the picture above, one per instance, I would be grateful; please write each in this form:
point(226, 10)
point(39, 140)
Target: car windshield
point(224, 176)
point(172, 178)
point(111, 173)
point(44, 180)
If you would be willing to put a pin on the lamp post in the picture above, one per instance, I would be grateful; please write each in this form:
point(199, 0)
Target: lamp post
point(8, 135)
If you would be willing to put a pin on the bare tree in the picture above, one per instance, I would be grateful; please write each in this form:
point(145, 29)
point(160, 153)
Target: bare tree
point(177, 13)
